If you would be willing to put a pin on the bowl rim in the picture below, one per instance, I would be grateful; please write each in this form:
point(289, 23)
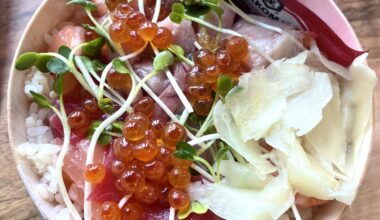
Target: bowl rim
point(342, 207)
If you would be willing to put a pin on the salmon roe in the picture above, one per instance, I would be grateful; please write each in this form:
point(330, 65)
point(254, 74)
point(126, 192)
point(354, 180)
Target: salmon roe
point(94, 173)
point(119, 81)
point(110, 211)
point(163, 38)
point(173, 133)
point(179, 198)
point(135, 126)
point(179, 176)
point(132, 211)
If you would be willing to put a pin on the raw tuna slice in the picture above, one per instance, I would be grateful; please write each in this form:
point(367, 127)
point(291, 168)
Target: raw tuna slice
point(271, 43)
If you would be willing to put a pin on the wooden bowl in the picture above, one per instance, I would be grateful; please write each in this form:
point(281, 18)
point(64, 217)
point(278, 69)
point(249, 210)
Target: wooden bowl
point(52, 12)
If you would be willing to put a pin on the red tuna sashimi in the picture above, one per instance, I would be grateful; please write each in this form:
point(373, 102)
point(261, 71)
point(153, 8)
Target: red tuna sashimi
point(158, 212)
point(106, 190)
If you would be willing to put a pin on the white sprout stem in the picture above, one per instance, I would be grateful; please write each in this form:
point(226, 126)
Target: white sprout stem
point(176, 87)
point(113, 134)
point(218, 29)
point(296, 213)
point(99, 131)
point(109, 66)
point(141, 6)
point(72, 68)
point(197, 45)
point(65, 148)
point(157, 9)
point(203, 139)
point(86, 74)
point(202, 172)
point(184, 117)
point(183, 58)
point(246, 17)
point(208, 145)
point(124, 200)
point(172, 213)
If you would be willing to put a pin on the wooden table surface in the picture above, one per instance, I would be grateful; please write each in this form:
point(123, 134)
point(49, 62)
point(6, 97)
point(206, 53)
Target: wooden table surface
point(14, 15)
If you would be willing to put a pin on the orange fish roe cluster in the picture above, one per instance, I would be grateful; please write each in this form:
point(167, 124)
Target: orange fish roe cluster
point(230, 58)
point(132, 29)
point(145, 165)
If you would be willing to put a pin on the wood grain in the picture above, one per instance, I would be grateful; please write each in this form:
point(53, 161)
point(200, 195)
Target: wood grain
point(14, 15)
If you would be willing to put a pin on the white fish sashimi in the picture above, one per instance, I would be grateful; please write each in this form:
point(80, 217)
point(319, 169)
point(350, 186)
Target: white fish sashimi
point(229, 133)
point(242, 175)
point(304, 111)
point(259, 101)
point(233, 203)
point(328, 138)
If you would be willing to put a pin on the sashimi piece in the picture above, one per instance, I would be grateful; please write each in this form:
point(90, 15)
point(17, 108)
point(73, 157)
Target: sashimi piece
point(269, 42)
point(228, 17)
point(184, 34)
point(101, 7)
point(157, 83)
point(69, 36)
point(169, 95)
point(158, 212)
point(74, 165)
point(106, 190)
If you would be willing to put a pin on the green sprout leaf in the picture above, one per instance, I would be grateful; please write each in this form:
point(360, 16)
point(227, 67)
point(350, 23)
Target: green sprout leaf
point(41, 100)
point(177, 50)
point(89, 5)
point(163, 60)
point(178, 8)
point(117, 126)
point(176, 18)
point(120, 67)
point(26, 60)
point(64, 51)
point(100, 32)
point(185, 151)
point(195, 207)
point(42, 62)
point(197, 10)
point(57, 66)
point(58, 84)
point(106, 105)
point(224, 85)
point(98, 66)
point(104, 139)
point(93, 48)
